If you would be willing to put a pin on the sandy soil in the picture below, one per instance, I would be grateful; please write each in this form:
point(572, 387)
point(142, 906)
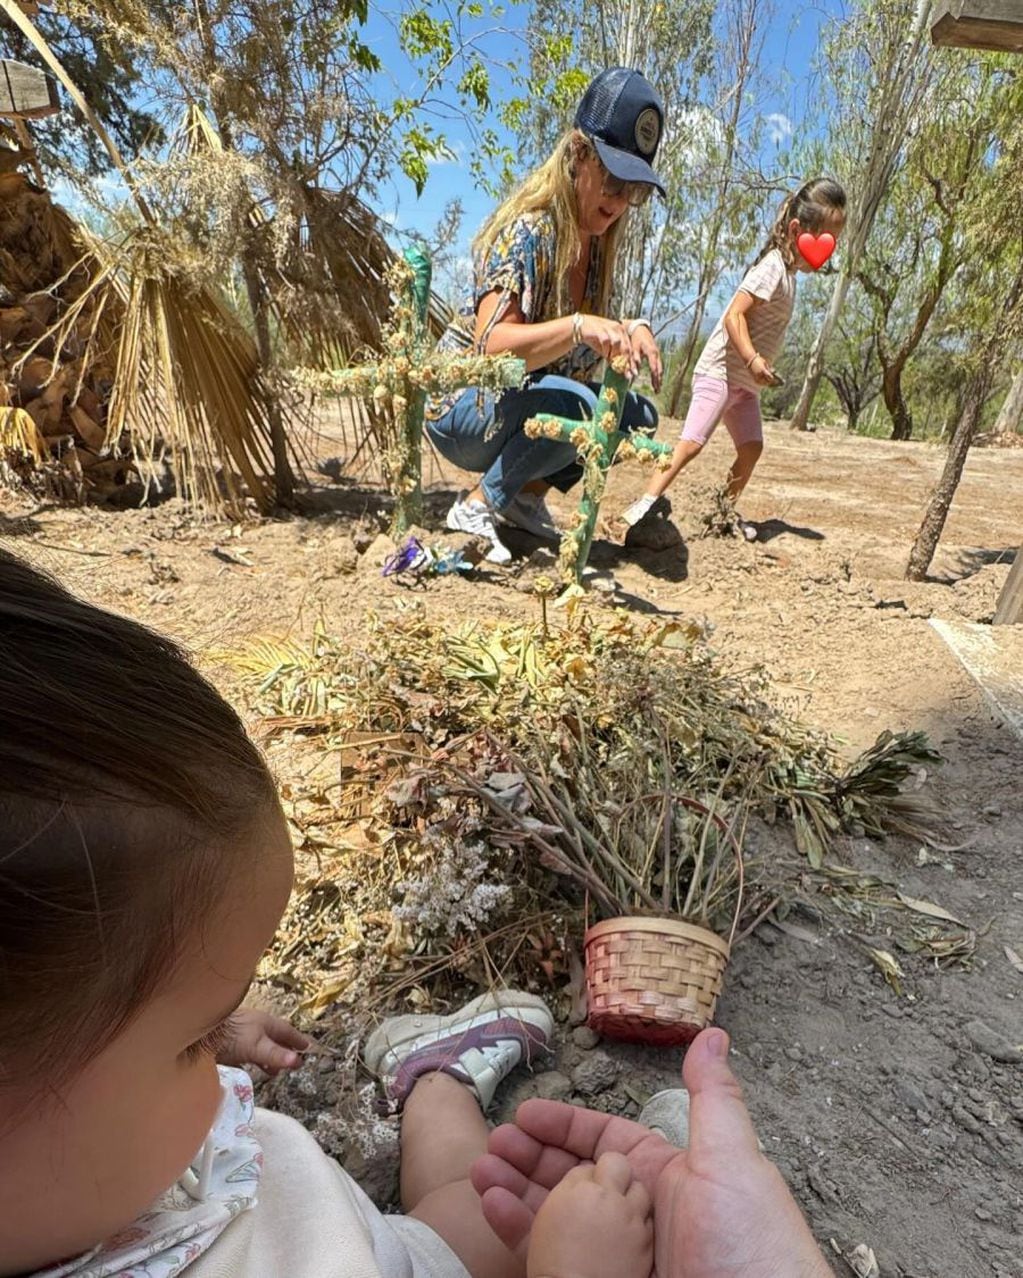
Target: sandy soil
point(892, 1126)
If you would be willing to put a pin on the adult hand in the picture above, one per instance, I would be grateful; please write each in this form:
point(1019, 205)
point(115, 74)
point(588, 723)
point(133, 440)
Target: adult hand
point(608, 338)
point(644, 344)
point(763, 373)
point(720, 1208)
point(257, 1038)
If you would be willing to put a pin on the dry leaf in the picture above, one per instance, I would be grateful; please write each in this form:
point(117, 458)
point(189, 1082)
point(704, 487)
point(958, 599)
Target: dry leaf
point(889, 966)
point(929, 908)
point(796, 932)
point(1014, 959)
point(862, 1261)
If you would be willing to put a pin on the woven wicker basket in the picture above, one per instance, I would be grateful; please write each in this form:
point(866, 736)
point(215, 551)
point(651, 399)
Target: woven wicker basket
point(652, 980)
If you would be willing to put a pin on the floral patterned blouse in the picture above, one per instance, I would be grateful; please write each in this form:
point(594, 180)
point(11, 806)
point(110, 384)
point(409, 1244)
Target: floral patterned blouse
point(521, 265)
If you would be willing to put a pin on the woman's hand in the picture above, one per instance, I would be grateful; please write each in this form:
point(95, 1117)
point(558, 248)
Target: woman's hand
point(645, 347)
point(257, 1038)
point(608, 338)
point(719, 1206)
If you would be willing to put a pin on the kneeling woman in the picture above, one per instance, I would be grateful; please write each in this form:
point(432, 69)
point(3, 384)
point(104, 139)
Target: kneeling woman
point(542, 280)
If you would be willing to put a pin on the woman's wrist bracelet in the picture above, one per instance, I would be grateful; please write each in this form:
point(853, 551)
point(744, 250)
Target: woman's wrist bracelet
point(577, 329)
point(753, 359)
point(638, 323)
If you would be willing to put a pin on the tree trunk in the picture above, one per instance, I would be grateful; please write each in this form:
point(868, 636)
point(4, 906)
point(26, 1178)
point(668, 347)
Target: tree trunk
point(955, 459)
point(815, 364)
point(894, 401)
point(974, 399)
point(1010, 417)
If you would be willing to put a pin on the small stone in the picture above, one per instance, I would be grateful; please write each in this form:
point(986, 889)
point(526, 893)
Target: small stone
point(966, 1120)
point(362, 539)
point(993, 810)
point(341, 559)
point(794, 1053)
point(982, 1213)
point(992, 1044)
point(767, 935)
point(553, 1085)
point(594, 1074)
point(380, 549)
point(909, 1095)
point(892, 1009)
point(585, 1037)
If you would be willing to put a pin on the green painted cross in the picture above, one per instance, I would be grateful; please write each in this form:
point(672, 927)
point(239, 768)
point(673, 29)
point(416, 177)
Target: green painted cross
point(599, 442)
point(397, 385)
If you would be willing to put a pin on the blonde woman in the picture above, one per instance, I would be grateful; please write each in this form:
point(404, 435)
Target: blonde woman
point(542, 281)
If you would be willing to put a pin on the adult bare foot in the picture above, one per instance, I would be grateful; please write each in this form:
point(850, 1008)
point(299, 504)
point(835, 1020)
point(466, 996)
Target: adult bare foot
point(595, 1224)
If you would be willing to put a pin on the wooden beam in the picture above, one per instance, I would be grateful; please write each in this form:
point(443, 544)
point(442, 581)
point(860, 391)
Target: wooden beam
point(979, 24)
point(26, 92)
point(1010, 602)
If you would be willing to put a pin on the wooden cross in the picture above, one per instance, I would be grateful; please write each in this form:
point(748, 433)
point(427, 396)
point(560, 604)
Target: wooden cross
point(598, 441)
point(997, 25)
point(398, 384)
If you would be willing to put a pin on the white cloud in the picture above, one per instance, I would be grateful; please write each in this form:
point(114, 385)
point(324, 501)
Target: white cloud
point(457, 154)
point(779, 127)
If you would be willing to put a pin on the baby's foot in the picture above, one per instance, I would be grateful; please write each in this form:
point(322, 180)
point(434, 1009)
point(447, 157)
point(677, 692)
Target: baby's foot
point(595, 1224)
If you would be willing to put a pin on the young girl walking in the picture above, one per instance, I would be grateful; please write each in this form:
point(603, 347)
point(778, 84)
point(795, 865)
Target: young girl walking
point(737, 362)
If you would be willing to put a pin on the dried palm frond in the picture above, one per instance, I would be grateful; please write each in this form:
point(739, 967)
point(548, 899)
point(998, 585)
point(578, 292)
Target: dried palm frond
point(186, 375)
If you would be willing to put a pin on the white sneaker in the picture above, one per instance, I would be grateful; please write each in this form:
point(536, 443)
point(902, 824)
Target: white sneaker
point(474, 517)
point(529, 512)
point(747, 530)
point(479, 1045)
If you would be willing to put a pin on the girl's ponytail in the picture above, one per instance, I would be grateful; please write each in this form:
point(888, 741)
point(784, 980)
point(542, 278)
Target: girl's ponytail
point(810, 205)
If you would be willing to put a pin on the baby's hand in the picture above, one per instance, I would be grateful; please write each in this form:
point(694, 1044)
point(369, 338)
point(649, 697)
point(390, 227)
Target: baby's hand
point(257, 1038)
point(595, 1224)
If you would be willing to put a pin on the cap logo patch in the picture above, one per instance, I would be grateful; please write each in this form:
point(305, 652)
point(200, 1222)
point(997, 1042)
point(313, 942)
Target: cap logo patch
point(648, 131)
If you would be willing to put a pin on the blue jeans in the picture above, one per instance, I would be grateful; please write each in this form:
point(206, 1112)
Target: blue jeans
point(493, 443)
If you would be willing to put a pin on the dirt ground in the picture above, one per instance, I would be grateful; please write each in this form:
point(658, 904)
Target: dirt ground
point(891, 1117)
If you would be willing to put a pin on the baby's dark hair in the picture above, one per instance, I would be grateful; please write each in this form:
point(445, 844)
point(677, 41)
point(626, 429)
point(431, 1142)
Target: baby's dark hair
point(127, 788)
point(810, 205)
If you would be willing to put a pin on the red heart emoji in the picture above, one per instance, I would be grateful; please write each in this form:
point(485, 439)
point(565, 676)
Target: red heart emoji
point(816, 249)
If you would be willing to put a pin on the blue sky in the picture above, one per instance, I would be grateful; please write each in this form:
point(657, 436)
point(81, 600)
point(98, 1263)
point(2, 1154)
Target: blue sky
point(789, 48)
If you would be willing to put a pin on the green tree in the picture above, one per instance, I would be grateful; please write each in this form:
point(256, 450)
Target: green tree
point(995, 245)
point(917, 245)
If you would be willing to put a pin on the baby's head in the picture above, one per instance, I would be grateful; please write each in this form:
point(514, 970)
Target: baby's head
point(144, 864)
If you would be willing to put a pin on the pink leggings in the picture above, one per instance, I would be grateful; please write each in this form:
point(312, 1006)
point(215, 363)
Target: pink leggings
point(713, 399)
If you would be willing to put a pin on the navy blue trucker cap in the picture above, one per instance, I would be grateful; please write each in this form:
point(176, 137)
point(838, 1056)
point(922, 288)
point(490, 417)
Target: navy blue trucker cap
point(623, 116)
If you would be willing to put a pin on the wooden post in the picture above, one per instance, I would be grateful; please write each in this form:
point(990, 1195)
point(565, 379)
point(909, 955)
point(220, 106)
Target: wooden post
point(1010, 602)
point(978, 24)
point(26, 92)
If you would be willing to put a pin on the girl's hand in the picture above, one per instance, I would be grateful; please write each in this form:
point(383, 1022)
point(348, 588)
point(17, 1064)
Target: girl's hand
point(257, 1038)
point(645, 347)
point(608, 338)
point(763, 373)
